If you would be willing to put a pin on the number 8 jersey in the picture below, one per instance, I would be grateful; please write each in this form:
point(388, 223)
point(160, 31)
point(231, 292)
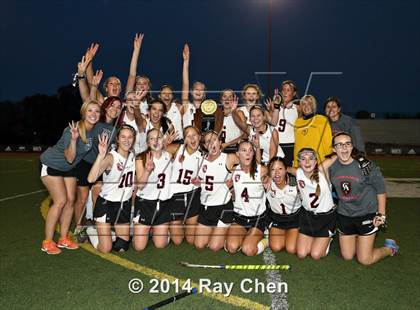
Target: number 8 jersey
point(249, 192)
point(118, 182)
point(310, 201)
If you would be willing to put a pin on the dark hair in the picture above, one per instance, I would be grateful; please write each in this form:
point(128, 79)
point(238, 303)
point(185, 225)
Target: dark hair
point(355, 152)
point(129, 127)
point(253, 168)
point(166, 86)
point(274, 159)
point(329, 99)
point(105, 105)
point(160, 102)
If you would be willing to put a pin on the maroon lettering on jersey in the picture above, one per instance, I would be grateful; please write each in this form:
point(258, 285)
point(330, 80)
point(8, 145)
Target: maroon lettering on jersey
point(204, 168)
point(237, 177)
point(302, 183)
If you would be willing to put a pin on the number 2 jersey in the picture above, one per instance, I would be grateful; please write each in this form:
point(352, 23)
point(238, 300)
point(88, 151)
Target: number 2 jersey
point(310, 201)
point(249, 192)
point(213, 175)
point(184, 170)
point(118, 182)
point(157, 186)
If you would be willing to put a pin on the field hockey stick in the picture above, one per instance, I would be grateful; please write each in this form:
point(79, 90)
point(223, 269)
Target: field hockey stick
point(171, 299)
point(239, 267)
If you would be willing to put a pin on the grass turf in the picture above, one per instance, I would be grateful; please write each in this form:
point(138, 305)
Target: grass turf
point(78, 279)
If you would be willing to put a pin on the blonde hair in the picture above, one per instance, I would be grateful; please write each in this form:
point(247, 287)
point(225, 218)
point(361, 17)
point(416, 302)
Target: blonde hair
point(107, 81)
point(81, 125)
point(244, 89)
point(312, 100)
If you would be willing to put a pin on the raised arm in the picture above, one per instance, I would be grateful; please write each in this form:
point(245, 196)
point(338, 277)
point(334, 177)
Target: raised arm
point(185, 74)
point(93, 95)
point(70, 151)
point(103, 161)
point(131, 81)
point(143, 170)
point(240, 120)
point(81, 77)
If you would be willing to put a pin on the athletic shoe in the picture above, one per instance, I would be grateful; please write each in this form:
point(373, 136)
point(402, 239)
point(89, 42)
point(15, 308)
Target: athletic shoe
point(93, 236)
point(391, 244)
point(67, 243)
point(50, 247)
point(82, 236)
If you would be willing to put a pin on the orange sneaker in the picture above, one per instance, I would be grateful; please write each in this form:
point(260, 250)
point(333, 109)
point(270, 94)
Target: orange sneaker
point(50, 247)
point(67, 243)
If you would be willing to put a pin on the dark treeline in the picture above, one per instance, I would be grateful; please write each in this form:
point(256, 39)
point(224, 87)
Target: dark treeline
point(39, 119)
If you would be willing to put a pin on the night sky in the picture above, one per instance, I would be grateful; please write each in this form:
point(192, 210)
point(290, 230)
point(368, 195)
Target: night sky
point(375, 44)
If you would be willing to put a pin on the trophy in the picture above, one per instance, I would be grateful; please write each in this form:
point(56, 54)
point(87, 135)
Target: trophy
point(208, 108)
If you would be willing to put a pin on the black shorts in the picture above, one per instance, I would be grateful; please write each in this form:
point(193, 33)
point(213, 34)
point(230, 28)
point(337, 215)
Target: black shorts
point(111, 212)
point(184, 205)
point(45, 170)
point(280, 221)
point(219, 216)
point(288, 150)
point(317, 225)
point(260, 221)
point(151, 212)
point(82, 170)
point(359, 225)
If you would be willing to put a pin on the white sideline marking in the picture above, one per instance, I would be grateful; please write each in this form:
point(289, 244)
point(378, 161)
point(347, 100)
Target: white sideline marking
point(278, 300)
point(23, 195)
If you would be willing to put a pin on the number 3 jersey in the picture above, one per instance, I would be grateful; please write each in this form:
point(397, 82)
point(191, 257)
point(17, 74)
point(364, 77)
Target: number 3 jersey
point(118, 181)
point(184, 170)
point(283, 201)
point(249, 192)
point(310, 201)
point(213, 175)
point(157, 186)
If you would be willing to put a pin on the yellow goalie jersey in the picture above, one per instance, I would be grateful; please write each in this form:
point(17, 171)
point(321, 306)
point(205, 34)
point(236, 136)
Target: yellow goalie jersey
point(315, 133)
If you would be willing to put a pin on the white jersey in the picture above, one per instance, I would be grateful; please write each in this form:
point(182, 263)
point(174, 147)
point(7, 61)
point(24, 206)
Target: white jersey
point(176, 118)
point(144, 107)
point(246, 113)
point(229, 131)
point(249, 192)
point(284, 201)
point(140, 143)
point(118, 182)
point(213, 175)
point(265, 141)
point(286, 124)
point(184, 170)
point(158, 184)
point(188, 116)
point(310, 201)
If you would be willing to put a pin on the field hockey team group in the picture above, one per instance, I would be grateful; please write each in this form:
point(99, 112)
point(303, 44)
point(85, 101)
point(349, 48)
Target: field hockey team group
point(251, 175)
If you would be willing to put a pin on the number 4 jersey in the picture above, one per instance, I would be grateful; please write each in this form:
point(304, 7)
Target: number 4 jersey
point(118, 182)
point(310, 201)
point(249, 192)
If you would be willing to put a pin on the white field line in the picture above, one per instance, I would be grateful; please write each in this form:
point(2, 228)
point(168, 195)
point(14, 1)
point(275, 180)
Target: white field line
point(22, 195)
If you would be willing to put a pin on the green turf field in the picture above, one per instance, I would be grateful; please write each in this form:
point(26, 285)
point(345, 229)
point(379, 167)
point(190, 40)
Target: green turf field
point(80, 279)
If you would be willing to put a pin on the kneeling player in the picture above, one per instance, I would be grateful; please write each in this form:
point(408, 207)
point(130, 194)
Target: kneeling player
point(114, 202)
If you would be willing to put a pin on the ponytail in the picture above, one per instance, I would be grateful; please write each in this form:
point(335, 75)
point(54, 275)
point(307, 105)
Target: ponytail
point(315, 177)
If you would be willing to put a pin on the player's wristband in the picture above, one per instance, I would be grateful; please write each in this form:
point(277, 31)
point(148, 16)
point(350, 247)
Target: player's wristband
point(277, 106)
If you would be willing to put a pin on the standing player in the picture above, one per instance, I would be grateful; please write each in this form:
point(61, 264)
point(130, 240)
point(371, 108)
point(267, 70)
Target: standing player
point(185, 202)
point(251, 94)
point(153, 171)
point(318, 216)
point(288, 113)
point(342, 123)
point(113, 205)
point(312, 131)
point(250, 219)
point(230, 134)
point(173, 110)
point(58, 175)
point(216, 199)
point(284, 206)
point(264, 136)
point(361, 205)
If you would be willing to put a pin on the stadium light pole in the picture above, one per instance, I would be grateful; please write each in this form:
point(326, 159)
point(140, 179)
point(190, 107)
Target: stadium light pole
point(270, 7)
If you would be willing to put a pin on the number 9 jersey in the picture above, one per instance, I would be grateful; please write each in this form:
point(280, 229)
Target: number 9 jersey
point(118, 182)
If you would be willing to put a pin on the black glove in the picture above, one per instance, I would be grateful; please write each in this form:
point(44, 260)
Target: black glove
point(365, 164)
